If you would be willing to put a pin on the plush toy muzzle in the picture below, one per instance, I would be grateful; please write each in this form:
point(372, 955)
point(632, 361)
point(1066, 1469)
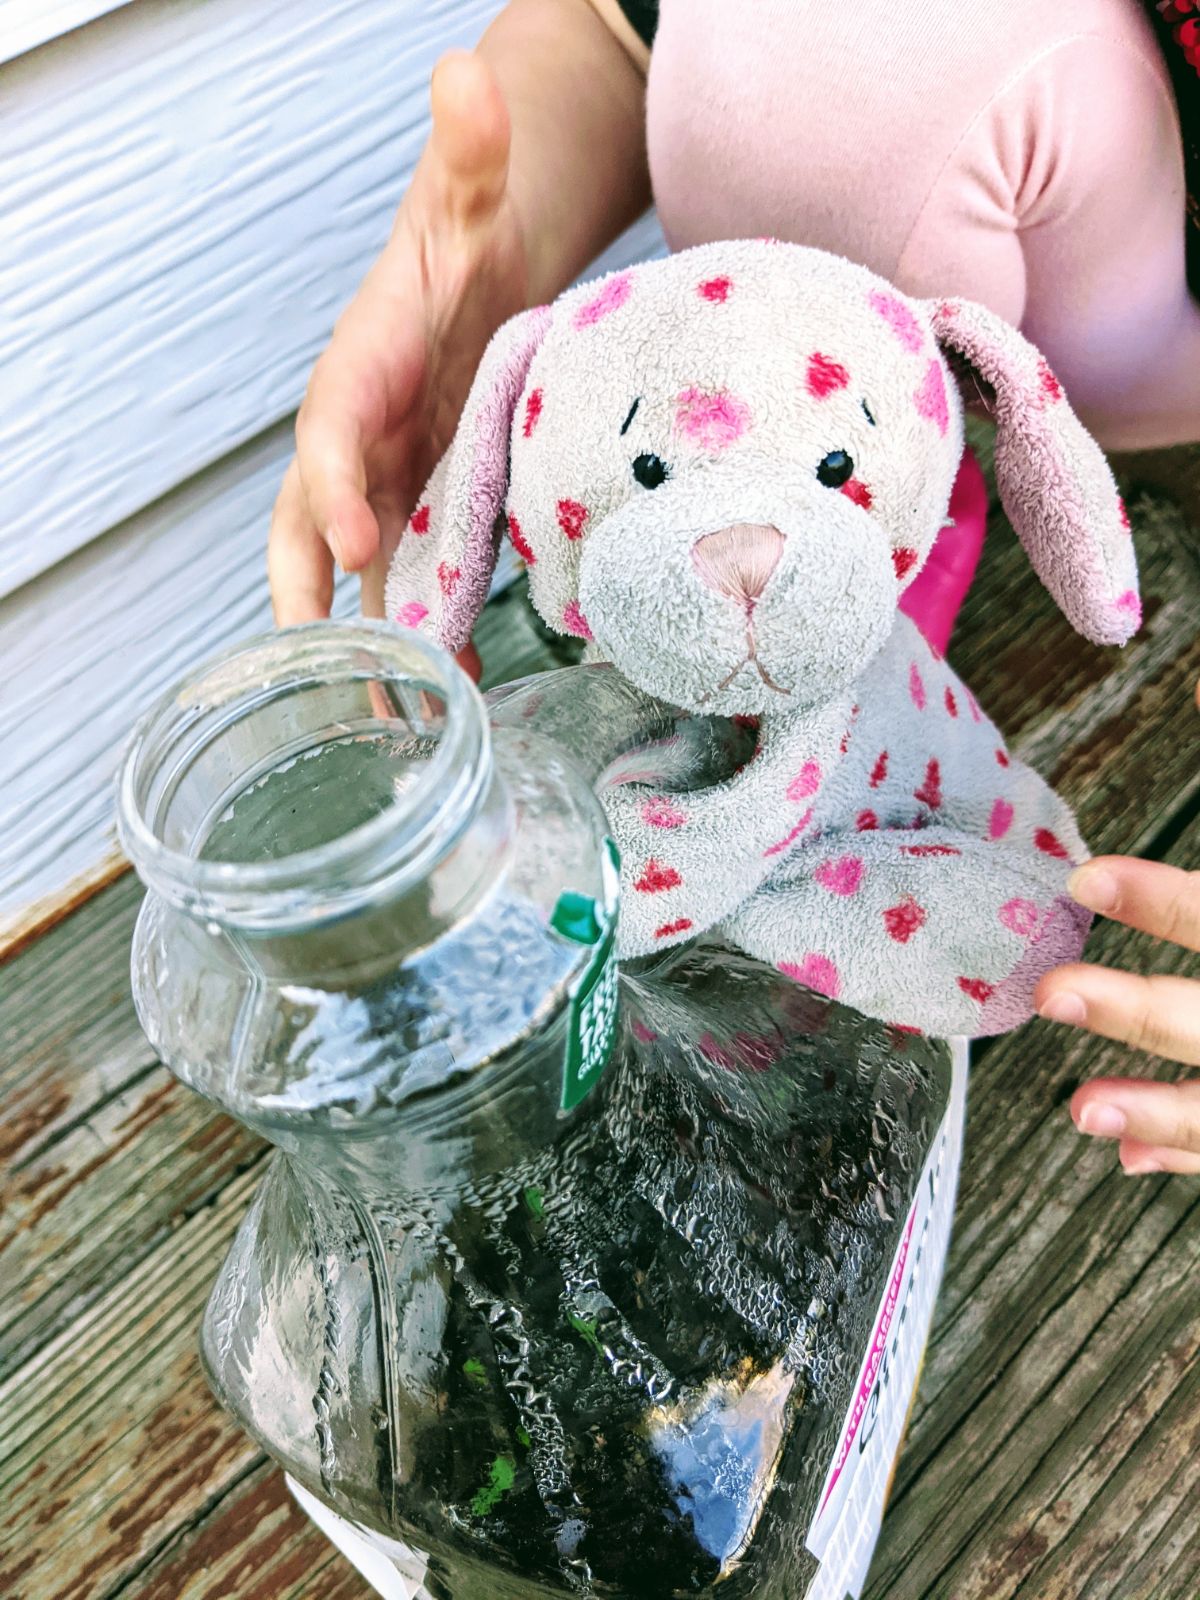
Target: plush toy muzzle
point(739, 592)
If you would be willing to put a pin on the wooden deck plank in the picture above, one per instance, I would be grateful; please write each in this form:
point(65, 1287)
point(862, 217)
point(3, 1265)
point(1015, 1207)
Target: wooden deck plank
point(256, 1545)
point(1064, 1366)
point(1069, 1301)
point(112, 1433)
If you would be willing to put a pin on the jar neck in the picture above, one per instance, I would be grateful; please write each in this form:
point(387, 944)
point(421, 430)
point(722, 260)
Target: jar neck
point(324, 796)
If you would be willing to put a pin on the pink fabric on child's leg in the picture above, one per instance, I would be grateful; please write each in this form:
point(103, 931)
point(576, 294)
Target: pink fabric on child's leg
point(935, 595)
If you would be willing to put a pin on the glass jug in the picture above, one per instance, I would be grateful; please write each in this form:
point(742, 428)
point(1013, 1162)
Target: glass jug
point(563, 1279)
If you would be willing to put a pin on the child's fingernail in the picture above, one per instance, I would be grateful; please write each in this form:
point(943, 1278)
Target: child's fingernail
point(1106, 1121)
point(1094, 888)
point(1063, 1007)
point(1138, 1167)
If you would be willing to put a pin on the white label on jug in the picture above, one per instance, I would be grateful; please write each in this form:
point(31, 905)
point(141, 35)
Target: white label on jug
point(850, 1508)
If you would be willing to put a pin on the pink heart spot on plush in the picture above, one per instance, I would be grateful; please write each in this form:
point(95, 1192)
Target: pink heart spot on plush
point(412, 615)
point(807, 781)
point(1019, 917)
point(855, 489)
point(1002, 758)
point(448, 577)
point(420, 521)
point(571, 518)
point(929, 850)
point(879, 770)
point(1129, 602)
point(574, 620)
point(519, 542)
point(842, 876)
point(711, 419)
point(930, 398)
point(976, 714)
point(612, 296)
point(1048, 384)
point(656, 878)
point(916, 687)
point(866, 821)
point(898, 317)
point(1000, 820)
point(660, 813)
point(1123, 513)
point(930, 792)
point(715, 290)
point(904, 560)
point(951, 702)
point(1050, 844)
point(903, 920)
point(670, 929)
point(790, 838)
point(642, 1032)
point(824, 376)
point(533, 410)
point(815, 972)
point(976, 989)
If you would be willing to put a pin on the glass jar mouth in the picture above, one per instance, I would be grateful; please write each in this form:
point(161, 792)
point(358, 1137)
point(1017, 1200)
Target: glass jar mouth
point(370, 860)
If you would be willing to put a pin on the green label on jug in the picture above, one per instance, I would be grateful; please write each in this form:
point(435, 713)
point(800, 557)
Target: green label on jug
point(592, 1018)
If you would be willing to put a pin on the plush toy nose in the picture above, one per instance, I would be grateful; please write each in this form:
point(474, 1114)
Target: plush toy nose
point(738, 561)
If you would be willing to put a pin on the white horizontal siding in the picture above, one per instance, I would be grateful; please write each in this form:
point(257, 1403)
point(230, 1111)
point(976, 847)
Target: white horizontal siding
point(86, 646)
point(188, 194)
point(25, 24)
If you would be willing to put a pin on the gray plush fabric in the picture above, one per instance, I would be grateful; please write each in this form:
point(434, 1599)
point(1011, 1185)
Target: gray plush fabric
point(723, 469)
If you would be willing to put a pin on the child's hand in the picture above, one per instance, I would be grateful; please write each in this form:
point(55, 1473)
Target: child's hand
point(1158, 1124)
point(536, 161)
point(385, 396)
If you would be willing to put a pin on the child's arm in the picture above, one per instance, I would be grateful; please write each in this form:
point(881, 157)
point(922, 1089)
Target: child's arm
point(536, 162)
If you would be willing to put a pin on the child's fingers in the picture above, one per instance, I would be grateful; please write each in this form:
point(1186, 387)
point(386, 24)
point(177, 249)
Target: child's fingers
point(330, 458)
point(1137, 1158)
point(1159, 1013)
point(299, 564)
point(1149, 895)
point(1163, 1115)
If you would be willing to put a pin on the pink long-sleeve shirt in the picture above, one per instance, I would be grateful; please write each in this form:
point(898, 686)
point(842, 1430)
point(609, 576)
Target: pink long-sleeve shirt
point(1024, 153)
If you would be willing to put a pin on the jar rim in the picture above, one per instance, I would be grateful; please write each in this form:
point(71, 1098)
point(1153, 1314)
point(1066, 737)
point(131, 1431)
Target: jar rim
point(370, 860)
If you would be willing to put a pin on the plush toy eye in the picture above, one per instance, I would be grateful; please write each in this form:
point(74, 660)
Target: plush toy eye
point(650, 471)
point(835, 469)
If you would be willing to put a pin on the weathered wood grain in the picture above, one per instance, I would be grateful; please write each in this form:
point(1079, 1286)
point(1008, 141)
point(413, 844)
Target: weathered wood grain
point(255, 1544)
point(110, 1435)
point(1063, 1367)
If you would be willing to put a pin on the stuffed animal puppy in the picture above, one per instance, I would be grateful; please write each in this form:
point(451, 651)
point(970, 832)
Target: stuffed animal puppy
point(723, 469)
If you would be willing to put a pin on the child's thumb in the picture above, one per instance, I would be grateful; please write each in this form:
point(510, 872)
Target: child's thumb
point(329, 453)
point(471, 133)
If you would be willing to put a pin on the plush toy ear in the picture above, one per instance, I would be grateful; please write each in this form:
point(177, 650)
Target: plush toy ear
point(442, 570)
point(1054, 481)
